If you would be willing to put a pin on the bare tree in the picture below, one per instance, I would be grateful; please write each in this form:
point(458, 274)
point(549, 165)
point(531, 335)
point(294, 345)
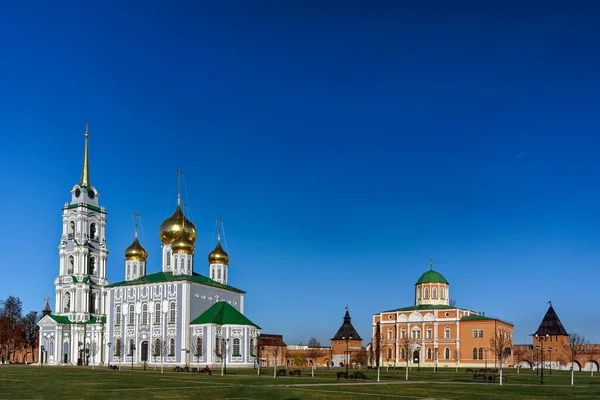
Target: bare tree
point(11, 337)
point(315, 351)
point(275, 352)
point(361, 357)
point(573, 350)
point(30, 332)
point(196, 350)
point(93, 348)
point(407, 344)
point(501, 344)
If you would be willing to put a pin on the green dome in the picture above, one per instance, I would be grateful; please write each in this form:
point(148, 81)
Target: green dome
point(431, 276)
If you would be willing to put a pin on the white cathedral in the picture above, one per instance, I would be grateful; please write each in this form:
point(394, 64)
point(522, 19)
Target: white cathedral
point(173, 317)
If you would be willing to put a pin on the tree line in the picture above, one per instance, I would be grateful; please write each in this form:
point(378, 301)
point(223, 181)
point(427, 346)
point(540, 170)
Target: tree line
point(18, 332)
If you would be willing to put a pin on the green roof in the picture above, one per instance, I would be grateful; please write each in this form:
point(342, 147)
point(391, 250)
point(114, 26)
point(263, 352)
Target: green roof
point(159, 277)
point(88, 206)
point(431, 276)
point(477, 317)
point(423, 307)
point(222, 313)
point(61, 319)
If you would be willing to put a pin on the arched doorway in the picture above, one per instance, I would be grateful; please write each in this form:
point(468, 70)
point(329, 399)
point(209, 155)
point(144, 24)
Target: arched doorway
point(65, 352)
point(416, 356)
point(144, 353)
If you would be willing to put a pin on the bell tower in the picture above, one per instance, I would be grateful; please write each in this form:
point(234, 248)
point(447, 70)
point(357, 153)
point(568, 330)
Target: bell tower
point(81, 281)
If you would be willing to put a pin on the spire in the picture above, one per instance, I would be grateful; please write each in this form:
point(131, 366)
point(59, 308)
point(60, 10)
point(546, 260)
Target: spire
point(47, 310)
point(179, 173)
point(431, 264)
point(85, 173)
point(136, 217)
point(219, 229)
point(347, 330)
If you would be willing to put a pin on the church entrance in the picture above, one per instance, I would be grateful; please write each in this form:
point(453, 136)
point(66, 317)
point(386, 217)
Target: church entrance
point(144, 351)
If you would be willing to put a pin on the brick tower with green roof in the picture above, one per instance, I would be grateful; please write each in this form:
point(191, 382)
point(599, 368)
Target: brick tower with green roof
point(432, 288)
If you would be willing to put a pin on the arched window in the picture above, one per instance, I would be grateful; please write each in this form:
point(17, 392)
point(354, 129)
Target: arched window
point(419, 294)
point(118, 315)
point(131, 346)
point(67, 305)
point(172, 312)
point(157, 350)
point(135, 269)
point(172, 346)
point(402, 354)
point(429, 354)
point(475, 353)
point(224, 275)
point(481, 353)
point(71, 229)
point(51, 349)
point(189, 264)
point(118, 348)
point(442, 293)
point(434, 293)
point(219, 273)
point(93, 233)
point(447, 353)
point(71, 265)
point(131, 314)
point(389, 356)
point(92, 266)
point(93, 305)
point(212, 274)
point(199, 347)
point(157, 313)
point(168, 258)
point(426, 292)
point(236, 346)
point(128, 270)
point(145, 314)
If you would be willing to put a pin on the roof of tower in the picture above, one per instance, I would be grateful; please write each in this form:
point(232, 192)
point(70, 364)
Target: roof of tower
point(551, 324)
point(218, 255)
point(172, 227)
point(47, 310)
point(136, 251)
point(431, 276)
point(222, 313)
point(347, 330)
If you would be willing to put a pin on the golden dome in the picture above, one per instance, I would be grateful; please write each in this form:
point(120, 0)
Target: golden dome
point(218, 255)
point(182, 245)
point(136, 251)
point(171, 228)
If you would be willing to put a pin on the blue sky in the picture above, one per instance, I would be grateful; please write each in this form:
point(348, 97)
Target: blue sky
point(342, 143)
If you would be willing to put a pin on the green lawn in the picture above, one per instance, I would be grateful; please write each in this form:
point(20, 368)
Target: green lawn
point(34, 382)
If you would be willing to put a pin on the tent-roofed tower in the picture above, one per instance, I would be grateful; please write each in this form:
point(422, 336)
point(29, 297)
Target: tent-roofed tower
point(551, 324)
point(345, 342)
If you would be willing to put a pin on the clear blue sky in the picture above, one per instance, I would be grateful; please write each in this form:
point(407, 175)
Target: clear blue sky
point(343, 144)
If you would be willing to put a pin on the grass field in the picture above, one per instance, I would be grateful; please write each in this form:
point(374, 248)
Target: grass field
point(34, 382)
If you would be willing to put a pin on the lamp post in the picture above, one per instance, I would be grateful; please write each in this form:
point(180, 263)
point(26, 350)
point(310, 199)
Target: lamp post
point(109, 344)
point(258, 356)
point(435, 355)
point(225, 357)
point(347, 354)
point(542, 339)
point(42, 356)
point(550, 357)
point(487, 354)
point(418, 358)
point(132, 352)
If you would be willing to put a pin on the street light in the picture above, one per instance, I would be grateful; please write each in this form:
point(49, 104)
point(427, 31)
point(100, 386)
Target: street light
point(542, 339)
point(109, 344)
point(550, 356)
point(132, 352)
point(347, 338)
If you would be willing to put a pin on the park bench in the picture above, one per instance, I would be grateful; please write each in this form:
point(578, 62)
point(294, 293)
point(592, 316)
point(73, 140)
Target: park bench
point(295, 372)
point(113, 367)
point(342, 374)
point(358, 375)
point(281, 372)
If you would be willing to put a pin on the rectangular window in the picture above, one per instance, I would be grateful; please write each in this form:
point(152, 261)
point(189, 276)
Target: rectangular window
point(447, 333)
point(403, 335)
point(429, 333)
point(390, 333)
point(474, 332)
point(481, 333)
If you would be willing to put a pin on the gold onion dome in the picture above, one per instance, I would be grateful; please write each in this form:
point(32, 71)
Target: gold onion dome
point(218, 255)
point(171, 228)
point(136, 251)
point(182, 245)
